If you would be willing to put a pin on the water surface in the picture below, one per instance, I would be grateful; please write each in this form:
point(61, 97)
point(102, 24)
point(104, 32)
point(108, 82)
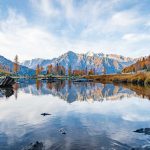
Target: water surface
point(93, 116)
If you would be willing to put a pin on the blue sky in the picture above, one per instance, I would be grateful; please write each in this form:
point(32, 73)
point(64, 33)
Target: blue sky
point(48, 28)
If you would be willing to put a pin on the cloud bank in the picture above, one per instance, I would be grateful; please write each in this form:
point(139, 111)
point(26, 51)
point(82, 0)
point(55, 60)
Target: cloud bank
point(48, 28)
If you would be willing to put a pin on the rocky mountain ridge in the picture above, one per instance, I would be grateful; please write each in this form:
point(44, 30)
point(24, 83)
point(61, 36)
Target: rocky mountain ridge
point(111, 62)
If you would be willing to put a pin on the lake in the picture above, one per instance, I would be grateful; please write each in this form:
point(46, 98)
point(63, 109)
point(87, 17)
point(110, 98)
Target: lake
point(90, 116)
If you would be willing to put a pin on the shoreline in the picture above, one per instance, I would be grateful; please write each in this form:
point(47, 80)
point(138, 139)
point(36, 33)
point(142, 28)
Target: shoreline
point(142, 78)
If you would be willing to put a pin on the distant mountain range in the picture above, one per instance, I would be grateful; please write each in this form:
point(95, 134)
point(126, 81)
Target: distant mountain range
point(23, 70)
point(98, 61)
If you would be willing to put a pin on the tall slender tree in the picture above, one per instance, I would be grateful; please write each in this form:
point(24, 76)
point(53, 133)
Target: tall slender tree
point(37, 70)
point(49, 69)
point(16, 65)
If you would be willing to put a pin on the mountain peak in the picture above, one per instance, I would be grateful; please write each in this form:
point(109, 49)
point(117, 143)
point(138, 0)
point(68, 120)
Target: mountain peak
point(90, 53)
point(88, 60)
point(70, 52)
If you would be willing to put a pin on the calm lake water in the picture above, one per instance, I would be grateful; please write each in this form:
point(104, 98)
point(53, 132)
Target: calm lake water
point(94, 116)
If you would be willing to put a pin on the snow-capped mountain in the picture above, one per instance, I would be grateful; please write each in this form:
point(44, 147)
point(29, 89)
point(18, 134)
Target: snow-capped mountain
point(33, 63)
point(23, 70)
point(98, 61)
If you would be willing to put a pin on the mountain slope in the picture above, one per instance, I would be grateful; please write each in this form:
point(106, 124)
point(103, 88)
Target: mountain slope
point(111, 62)
point(23, 69)
point(141, 65)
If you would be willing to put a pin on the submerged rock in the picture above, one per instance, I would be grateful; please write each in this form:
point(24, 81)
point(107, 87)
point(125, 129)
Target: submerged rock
point(143, 130)
point(35, 146)
point(45, 114)
point(62, 131)
point(7, 82)
point(144, 147)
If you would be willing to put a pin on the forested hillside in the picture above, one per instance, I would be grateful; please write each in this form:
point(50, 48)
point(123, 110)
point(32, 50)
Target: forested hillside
point(141, 65)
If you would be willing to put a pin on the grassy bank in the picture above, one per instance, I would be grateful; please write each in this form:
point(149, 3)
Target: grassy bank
point(139, 78)
point(4, 73)
point(140, 90)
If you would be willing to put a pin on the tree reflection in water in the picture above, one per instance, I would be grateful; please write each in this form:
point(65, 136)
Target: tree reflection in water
point(72, 91)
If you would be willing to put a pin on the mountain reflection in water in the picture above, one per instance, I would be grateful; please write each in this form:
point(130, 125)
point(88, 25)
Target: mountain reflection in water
point(91, 114)
point(86, 91)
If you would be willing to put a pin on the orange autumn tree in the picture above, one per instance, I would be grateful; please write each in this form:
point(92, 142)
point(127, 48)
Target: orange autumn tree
point(79, 72)
point(49, 69)
point(56, 70)
point(16, 65)
point(91, 72)
point(142, 64)
point(147, 63)
point(37, 69)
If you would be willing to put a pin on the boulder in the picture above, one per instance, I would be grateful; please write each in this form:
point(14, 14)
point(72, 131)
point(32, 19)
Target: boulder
point(143, 130)
point(7, 82)
point(35, 146)
point(62, 131)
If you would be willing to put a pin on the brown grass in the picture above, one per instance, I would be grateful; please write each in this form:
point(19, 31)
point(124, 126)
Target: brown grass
point(139, 78)
point(4, 72)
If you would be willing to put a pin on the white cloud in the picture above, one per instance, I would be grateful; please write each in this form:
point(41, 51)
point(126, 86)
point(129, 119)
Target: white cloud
point(17, 36)
point(131, 37)
point(12, 22)
point(124, 18)
point(45, 7)
point(94, 25)
point(148, 24)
